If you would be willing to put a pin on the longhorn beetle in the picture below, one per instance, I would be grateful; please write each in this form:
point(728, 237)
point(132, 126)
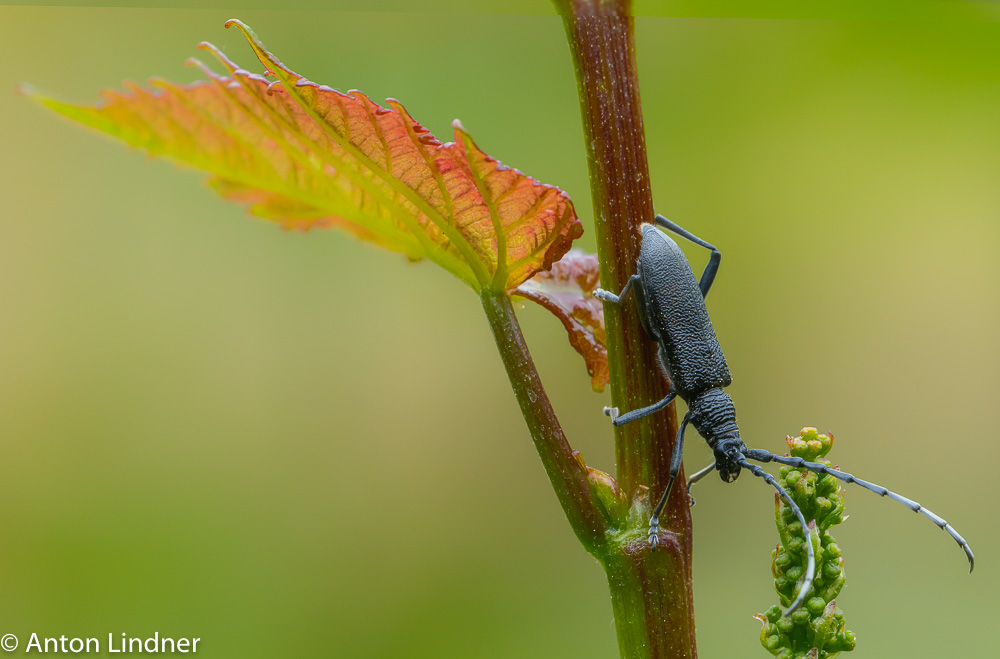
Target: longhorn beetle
point(671, 306)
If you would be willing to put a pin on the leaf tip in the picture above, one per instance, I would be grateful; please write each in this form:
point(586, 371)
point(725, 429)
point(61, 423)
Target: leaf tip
point(270, 62)
point(457, 125)
point(251, 37)
point(243, 27)
point(36, 95)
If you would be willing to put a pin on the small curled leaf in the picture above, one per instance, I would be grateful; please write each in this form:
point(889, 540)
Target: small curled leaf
point(567, 290)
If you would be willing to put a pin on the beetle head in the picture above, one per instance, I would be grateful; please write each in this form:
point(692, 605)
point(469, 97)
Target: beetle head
point(729, 456)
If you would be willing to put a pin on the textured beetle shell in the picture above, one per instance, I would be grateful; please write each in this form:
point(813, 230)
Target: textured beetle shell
point(677, 317)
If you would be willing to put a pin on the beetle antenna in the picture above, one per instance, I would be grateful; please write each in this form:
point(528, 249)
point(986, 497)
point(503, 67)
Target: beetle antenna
point(811, 557)
point(765, 456)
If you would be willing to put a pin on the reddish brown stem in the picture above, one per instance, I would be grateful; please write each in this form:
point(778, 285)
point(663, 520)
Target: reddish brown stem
point(651, 592)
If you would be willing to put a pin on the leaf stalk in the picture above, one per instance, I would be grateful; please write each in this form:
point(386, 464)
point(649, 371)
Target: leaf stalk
point(566, 473)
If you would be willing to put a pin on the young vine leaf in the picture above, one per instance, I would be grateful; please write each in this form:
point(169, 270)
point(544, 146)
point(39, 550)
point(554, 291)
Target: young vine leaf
point(305, 155)
point(567, 290)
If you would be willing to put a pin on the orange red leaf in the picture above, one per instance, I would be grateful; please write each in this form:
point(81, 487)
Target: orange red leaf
point(306, 155)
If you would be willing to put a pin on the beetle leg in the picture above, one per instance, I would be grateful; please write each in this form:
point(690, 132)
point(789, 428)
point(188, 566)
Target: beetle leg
point(712, 269)
point(697, 476)
point(675, 467)
point(639, 413)
point(607, 296)
point(764, 456)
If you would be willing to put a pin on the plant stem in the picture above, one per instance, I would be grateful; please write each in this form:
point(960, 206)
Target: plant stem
point(658, 620)
point(567, 475)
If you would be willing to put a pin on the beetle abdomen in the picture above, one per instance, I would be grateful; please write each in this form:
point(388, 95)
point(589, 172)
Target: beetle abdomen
point(676, 312)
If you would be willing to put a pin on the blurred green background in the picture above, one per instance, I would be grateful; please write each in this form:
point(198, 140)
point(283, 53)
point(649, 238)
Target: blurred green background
point(297, 445)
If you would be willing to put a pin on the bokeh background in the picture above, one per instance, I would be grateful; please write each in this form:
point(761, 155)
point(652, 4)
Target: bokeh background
point(297, 445)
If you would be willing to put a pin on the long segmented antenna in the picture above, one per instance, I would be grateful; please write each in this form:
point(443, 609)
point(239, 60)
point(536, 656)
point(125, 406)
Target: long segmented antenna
point(811, 557)
point(761, 455)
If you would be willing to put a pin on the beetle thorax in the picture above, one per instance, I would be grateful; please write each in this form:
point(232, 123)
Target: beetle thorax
point(713, 415)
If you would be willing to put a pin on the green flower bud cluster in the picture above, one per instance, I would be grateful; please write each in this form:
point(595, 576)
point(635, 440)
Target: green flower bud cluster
point(816, 630)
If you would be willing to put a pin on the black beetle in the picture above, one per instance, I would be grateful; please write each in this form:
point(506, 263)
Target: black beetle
point(671, 306)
